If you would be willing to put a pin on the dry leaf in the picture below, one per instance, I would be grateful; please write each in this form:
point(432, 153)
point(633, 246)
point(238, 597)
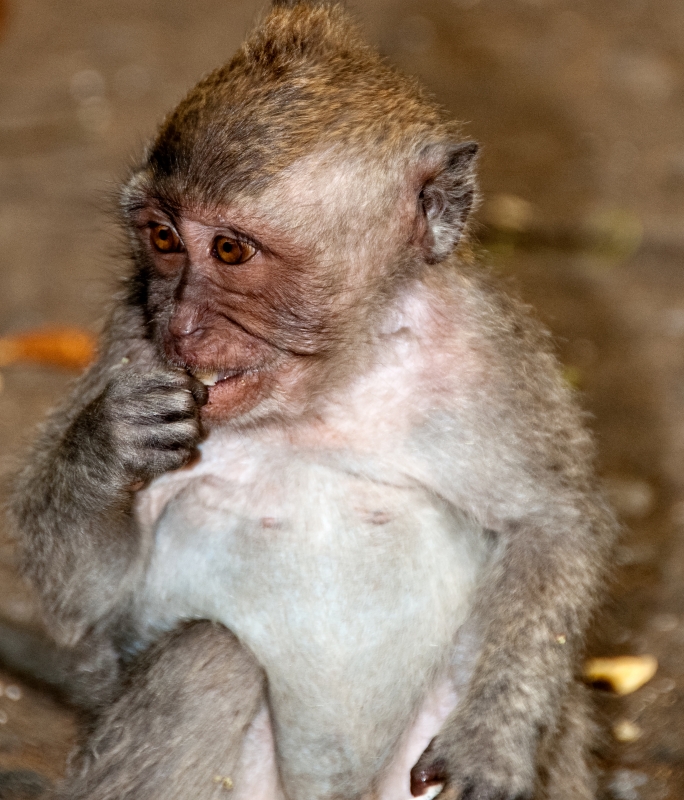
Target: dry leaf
point(72, 348)
point(624, 674)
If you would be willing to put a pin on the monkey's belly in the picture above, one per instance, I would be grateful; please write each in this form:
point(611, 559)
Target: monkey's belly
point(348, 592)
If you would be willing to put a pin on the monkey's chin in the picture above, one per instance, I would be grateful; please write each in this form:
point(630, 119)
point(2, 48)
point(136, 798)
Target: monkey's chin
point(233, 396)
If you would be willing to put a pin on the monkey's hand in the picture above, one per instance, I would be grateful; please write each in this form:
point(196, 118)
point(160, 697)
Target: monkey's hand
point(144, 424)
point(476, 759)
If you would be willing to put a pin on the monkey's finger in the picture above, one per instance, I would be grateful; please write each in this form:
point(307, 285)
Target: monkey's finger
point(160, 400)
point(169, 436)
point(199, 391)
point(180, 379)
point(161, 461)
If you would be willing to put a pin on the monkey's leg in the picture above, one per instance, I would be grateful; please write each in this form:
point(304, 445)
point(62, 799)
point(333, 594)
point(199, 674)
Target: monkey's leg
point(564, 759)
point(177, 731)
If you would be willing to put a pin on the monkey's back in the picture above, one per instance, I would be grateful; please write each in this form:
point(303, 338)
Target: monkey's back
point(348, 590)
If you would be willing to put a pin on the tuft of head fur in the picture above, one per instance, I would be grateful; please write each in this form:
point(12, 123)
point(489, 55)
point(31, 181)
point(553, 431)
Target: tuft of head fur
point(291, 3)
point(303, 80)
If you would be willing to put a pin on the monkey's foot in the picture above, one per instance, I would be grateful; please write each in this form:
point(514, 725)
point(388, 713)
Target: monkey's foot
point(465, 767)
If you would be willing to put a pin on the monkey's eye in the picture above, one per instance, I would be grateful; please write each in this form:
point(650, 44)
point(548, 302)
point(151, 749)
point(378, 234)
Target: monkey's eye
point(232, 251)
point(165, 239)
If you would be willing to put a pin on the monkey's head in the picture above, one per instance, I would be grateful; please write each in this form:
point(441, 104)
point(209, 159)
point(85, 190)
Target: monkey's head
point(282, 206)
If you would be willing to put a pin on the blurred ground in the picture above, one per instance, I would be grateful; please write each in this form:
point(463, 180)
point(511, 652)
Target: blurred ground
point(580, 109)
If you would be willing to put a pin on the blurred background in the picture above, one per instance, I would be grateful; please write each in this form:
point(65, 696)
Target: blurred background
point(579, 107)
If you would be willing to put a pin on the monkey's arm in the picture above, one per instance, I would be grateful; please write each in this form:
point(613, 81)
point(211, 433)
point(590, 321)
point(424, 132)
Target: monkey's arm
point(516, 456)
point(128, 419)
point(532, 614)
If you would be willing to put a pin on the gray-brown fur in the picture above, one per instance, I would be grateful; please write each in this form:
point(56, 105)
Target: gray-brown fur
point(383, 370)
point(197, 690)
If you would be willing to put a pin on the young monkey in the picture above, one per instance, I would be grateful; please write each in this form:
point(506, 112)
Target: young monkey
point(322, 518)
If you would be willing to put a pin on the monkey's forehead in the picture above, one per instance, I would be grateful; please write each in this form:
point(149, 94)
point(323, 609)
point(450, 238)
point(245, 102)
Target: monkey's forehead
point(303, 81)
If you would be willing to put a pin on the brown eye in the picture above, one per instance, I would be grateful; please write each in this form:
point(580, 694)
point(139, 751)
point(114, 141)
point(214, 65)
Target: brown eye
point(165, 239)
point(231, 251)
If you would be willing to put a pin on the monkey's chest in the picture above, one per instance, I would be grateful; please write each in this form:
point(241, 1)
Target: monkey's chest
point(349, 592)
point(303, 548)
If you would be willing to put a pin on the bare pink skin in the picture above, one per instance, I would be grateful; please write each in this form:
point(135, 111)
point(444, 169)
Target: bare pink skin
point(257, 774)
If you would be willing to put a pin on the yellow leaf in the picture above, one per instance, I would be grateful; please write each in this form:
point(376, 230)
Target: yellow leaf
point(624, 674)
point(71, 348)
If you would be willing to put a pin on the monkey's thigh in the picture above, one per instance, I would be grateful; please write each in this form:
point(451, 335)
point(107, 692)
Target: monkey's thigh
point(178, 730)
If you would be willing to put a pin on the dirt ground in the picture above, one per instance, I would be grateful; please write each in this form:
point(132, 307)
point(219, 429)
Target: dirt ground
point(579, 107)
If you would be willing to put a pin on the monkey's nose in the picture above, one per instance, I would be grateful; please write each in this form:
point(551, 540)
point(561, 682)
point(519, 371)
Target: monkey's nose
point(186, 322)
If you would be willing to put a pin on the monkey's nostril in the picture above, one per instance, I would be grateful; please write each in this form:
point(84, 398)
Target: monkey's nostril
point(183, 325)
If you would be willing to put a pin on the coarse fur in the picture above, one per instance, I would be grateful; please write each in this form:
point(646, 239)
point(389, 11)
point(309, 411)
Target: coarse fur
point(360, 561)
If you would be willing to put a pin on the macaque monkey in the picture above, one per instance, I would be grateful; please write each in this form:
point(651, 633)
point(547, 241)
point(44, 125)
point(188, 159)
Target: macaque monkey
point(321, 520)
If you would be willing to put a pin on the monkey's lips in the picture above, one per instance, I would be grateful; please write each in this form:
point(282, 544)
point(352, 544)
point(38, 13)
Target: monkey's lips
point(231, 391)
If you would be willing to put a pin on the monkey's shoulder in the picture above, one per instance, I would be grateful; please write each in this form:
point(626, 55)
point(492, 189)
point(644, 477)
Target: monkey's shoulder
point(461, 332)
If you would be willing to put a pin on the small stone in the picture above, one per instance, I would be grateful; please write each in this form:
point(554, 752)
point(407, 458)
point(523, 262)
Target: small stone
point(509, 212)
point(646, 697)
point(642, 553)
point(561, 638)
point(86, 84)
point(622, 636)
point(13, 692)
point(95, 115)
point(3, 717)
point(631, 497)
point(613, 234)
point(664, 685)
point(664, 623)
point(625, 784)
point(626, 731)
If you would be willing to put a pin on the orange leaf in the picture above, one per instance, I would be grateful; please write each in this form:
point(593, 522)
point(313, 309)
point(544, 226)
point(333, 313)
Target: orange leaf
point(72, 348)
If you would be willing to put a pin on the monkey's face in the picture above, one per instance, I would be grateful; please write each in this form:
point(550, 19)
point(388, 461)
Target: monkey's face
point(260, 297)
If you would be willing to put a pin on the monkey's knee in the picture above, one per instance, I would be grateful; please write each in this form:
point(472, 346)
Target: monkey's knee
point(179, 723)
point(200, 657)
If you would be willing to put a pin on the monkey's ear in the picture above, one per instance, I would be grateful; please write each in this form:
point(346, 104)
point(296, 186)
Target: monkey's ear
point(446, 198)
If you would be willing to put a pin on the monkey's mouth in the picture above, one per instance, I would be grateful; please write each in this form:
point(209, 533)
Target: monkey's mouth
point(230, 391)
point(212, 377)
